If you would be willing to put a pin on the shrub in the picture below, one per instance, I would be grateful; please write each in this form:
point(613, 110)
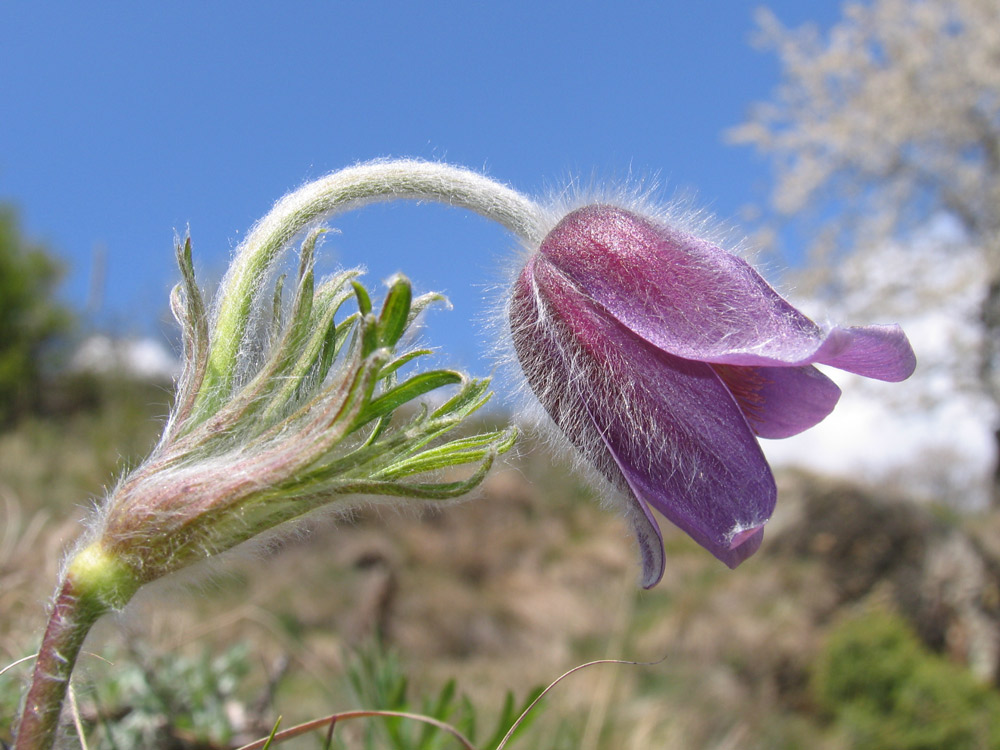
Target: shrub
point(886, 690)
point(29, 317)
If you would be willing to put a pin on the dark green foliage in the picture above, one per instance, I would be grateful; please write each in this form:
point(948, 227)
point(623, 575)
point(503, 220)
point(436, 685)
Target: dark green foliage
point(379, 683)
point(29, 317)
point(887, 691)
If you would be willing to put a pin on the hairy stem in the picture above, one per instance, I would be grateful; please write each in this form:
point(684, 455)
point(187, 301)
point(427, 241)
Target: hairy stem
point(341, 191)
point(74, 612)
point(93, 583)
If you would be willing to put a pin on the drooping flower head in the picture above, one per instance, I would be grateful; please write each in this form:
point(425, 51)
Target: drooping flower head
point(662, 358)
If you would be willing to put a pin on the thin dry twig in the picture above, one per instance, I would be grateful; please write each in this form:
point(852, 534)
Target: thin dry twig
point(334, 718)
point(331, 720)
point(74, 710)
point(560, 678)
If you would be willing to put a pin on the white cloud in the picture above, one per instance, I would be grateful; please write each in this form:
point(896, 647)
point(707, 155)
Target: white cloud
point(932, 434)
point(140, 358)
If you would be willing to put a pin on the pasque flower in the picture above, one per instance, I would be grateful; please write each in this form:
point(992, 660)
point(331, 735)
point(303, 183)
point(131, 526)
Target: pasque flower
point(662, 358)
point(658, 355)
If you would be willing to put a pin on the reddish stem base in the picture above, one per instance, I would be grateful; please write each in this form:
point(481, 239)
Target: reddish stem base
point(72, 616)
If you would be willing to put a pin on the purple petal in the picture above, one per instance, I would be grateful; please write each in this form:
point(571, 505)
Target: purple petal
point(673, 431)
point(880, 352)
point(779, 402)
point(547, 365)
point(697, 301)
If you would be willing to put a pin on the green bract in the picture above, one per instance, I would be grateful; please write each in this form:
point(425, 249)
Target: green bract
point(312, 405)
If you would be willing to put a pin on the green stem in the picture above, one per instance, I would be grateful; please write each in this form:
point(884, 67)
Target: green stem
point(336, 193)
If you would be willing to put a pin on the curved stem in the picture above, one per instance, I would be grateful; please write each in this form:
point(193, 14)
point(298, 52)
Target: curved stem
point(341, 191)
point(73, 614)
point(97, 579)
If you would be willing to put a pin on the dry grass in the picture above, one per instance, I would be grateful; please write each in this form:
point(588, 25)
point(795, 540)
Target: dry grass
point(504, 592)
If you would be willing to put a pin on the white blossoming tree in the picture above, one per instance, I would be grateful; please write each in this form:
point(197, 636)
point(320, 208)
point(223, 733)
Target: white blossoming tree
point(881, 128)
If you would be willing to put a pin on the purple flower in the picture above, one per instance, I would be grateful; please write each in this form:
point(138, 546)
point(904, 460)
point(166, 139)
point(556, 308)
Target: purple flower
point(662, 358)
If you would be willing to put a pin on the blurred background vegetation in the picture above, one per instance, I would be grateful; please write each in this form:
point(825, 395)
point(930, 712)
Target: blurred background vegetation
point(30, 318)
point(870, 618)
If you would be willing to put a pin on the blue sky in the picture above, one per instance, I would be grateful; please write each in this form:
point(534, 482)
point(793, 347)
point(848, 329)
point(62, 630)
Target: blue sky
point(122, 122)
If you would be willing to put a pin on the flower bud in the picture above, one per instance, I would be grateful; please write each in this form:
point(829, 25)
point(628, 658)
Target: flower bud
point(662, 358)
